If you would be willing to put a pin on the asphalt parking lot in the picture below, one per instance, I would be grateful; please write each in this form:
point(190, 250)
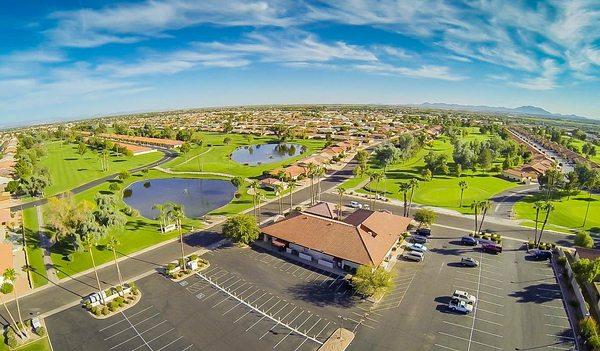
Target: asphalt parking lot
point(249, 299)
point(519, 304)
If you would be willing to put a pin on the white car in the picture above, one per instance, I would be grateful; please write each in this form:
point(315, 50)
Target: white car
point(416, 247)
point(355, 204)
point(413, 256)
point(464, 296)
point(366, 207)
point(460, 306)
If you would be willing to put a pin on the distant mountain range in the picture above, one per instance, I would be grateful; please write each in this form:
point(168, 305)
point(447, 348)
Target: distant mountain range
point(523, 110)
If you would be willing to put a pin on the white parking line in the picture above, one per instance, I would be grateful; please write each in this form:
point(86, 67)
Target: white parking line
point(126, 329)
point(482, 284)
point(274, 325)
point(470, 341)
point(171, 343)
point(555, 316)
point(123, 320)
point(445, 347)
point(477, 330)
point(155, 338)
point(319, 333)
point(490, 303)
point(490, 312)
point(250, 303)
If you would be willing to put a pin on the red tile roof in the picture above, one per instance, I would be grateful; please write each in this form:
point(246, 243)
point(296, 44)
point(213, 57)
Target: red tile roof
point(6, 257)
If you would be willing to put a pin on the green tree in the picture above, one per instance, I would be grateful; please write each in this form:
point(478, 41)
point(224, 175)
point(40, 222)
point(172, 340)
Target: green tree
point(426, 174)
point(368, 281)
point(425, 216)
point(591, 184)
point(107, 211)
point(538, 206)
point(583, 239)
point(81, 148)
point(404, 188)
point(548, 208)
point(292, 184)
point(484, 206)
point(586, 270)
point(241, 228)
point(123, 175)
point(463, 185)
point(341, 192)
point(414, 183)
point(475, 205)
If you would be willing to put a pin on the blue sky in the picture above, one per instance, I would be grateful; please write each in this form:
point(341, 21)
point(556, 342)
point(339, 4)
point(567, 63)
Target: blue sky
point(65, 59)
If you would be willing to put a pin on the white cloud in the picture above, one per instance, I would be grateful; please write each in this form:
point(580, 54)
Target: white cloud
point(425, 71)
point(546, 81)
point(394, 52)
point(34, 56)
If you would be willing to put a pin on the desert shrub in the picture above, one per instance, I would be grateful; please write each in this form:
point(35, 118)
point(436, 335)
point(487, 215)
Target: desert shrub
point(96, 311)
point(113, 305)
point(588, 327)
point(11, 341)
point(104, 310)
point(562, 260)
point(193, 257)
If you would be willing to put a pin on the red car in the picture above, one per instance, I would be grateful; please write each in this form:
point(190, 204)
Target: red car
point(491, 248)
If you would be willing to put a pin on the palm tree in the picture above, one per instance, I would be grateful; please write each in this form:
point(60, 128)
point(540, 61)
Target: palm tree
point(11, 275)
point(404, 188)
point(341, 191)
point(538, 205)
point(372, 178)
point(254, 186)
point(16, 326)
point(292, 184)
point(260, 197)
point(414, 183)
point(475, 207)
point(279, 194)
point(590, 185)
point(378, 176)
point(484, 206)
point(463, 185)
point(320, 173)
point(311, 173)
point(177, 212)
point(88, 243)
point(162, 215)
point(112, 244)
point(548, 207)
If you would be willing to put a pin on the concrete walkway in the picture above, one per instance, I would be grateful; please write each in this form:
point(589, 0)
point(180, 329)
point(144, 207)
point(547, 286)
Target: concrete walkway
point(46, 244)
point(169, 171)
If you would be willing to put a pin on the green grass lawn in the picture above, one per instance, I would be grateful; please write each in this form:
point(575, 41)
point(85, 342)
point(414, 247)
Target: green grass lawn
point(68, 169)
point(34, 252)
point(215, 156)
point(42, 344)
point(139, 232)
point(579, 144)
point(568, 215)
point(442, 190)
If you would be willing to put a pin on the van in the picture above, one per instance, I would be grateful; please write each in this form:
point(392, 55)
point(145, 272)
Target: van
point(414, 256)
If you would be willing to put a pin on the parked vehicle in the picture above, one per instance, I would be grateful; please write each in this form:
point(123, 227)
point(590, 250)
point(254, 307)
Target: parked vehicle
point(464, 296)
point(468, 240)
point(366, 206)
point(541, 254)
point(469, 262)
point(413, 256)
point(416, 247)
point(419, 239)
point(355, 204)
point(491, 248)
point(423, 231)
point(460, 306)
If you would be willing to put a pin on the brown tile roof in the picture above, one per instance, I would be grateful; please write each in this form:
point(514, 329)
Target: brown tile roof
point(364, 243)
point(322, 209)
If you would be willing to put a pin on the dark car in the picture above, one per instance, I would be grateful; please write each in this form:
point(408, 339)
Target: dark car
point(541, 254)
point(419, 239)
point(423, 231)
point(491, 248)
point(468, 240)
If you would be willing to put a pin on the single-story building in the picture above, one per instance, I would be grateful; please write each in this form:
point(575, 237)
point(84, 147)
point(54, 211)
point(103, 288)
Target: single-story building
point(271, 183)
point(363, 238)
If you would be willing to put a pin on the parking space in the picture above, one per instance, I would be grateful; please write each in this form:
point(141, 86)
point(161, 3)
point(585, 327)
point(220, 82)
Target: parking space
point(142, 328)
point(271, 319)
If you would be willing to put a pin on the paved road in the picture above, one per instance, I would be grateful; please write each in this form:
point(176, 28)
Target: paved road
point(504, 202)
point(66, 292)
point(168, 156)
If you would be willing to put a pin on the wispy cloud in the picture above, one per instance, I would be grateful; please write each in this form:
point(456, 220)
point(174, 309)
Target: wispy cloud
point(546, 81)
point(426, 71)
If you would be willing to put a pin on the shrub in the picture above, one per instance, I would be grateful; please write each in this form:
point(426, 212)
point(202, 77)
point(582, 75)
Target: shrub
point(11, 341)
point(96, 311)
point(588, 326)
point(112, 306)
point(41, 331)
point(104, 310)
point(594, 342)
point(114, 187)
point(170, 267)
point(6, 288)
point(562, 260)
point(193, 257)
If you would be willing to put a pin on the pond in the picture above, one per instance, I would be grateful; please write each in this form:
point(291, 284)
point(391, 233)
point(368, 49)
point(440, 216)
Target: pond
point(253, 155)
point(199, 196)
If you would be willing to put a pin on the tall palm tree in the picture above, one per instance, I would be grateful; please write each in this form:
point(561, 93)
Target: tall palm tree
point(10, 275)
point(14, 323)
point(378, 177)
point(112, 244)
point(475, 207)
point(372, 178)
point(320, 173)
point(88, 243)
point(177, 212)
point(279, 194)
point(405, 188)
point(311, 168)
point(292, 184)
point(255, 185)
point(463, 185)
point(341, 191)
point(548, 207)
point(260, 197)
point(538, 205)
point(484, 206)
point(590, 185)
point(414, 183)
